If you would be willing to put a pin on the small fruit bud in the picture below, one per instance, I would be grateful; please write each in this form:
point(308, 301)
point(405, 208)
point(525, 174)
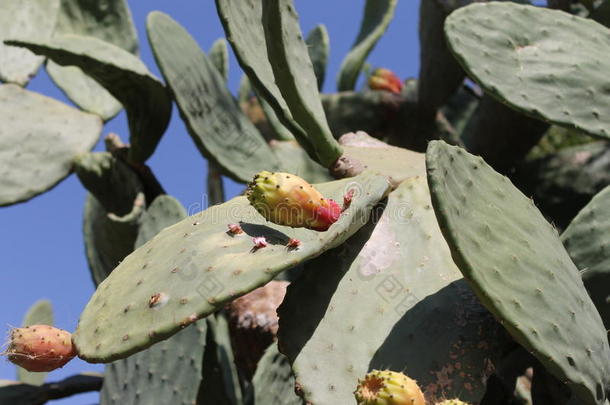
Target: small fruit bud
point(388, 388)
point(347, 199)
point(235, 229)
point(293, 243)
point(40, 348)
point(286, 199)
point(384, 79)
point(259, 242)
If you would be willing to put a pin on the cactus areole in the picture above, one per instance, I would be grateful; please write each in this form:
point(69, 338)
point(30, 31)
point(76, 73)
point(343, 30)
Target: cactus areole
point(286, 199)
point(388, 388)
point(40, 348)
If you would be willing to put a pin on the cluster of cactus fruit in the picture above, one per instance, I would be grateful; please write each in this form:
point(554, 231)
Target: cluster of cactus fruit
point(441, 266)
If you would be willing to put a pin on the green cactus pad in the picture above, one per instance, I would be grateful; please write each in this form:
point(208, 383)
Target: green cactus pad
point(112, 210)
point(439, 73)
point(395, 300)
point(293, 159)
point(191, 269)
point(41, 313)
point(273, 381)
point(37, 148)
point(220, 379)
point(109, 21)
point(545, 63)
point(241, 21)
point(587, 240)
point(167, 373)
point(295, 77)
point(108, 238)
point(24, 19)
point(501, 135)
point(397, 164)
point(216, 124)
point(516, 264)
point(318, 46)
point(164, 211)
point(144, 97)
point(111, 181)
point(377, 16)
point(562, 183)
point(219, 56)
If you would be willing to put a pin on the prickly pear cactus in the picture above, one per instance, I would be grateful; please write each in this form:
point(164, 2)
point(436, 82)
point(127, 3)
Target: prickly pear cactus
point(429, 264)
point(202, 252)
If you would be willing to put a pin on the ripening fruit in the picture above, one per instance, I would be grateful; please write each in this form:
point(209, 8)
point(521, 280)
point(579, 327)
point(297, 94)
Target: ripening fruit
point(286, 199)
point(388, 388)
point(40, 347)
point(384, 79)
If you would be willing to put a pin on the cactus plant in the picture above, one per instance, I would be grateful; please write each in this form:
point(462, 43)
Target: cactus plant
point(401, 252)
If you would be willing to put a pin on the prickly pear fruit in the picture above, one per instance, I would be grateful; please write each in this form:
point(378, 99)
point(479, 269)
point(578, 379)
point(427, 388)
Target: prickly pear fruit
point(454, 401)
point(253, 322)
point(388, 388)
point(40, 347)
point(384, 79)
point(286, 199)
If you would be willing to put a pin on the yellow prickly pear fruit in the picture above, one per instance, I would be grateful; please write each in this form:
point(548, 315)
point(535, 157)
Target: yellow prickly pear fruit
point(286, 199)
point(384, 79)
point(388, 388)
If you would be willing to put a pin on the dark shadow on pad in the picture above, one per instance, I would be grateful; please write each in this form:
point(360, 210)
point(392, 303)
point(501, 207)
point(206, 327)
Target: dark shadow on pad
point(273, 236)
point(447, 342)
point(308, 297)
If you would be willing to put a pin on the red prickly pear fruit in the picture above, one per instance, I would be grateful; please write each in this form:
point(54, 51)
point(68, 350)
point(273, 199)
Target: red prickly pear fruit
point(235, 229)
point(259, 242)
point(40, 348)
point(286, 199)
point(388, 388)
point(384, 79)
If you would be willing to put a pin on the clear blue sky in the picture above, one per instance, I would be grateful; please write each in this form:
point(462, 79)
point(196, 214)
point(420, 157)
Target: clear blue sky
point(41, 245)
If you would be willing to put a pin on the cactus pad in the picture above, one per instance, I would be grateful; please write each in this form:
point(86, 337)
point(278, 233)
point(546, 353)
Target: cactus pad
point(241, 21)
point(191, 269)
point(273, 381)
point(219, 56)
point(124, 75)
point(109, 21)
point(218, 128)
point(24, 19)
point(377, 17)
point(515, 262)
point(37, 148)
point(295, 77)
point(167, 373)
point(587, 240)
point(318, 47)
point(369, 153)
point(544, 63)
point(395, 300)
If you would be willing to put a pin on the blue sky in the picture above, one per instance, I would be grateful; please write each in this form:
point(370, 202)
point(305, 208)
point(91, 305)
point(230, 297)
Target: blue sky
point(41, 244)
